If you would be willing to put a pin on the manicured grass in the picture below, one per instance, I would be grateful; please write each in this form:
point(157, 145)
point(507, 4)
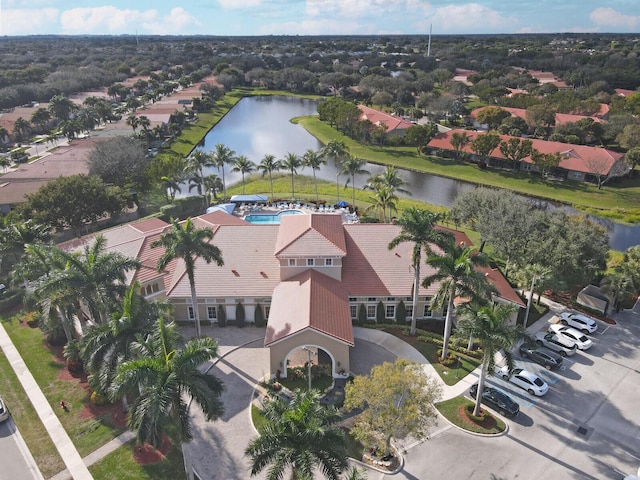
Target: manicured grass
point(450, 375)
point(26, 419)
point(86, 433)
point(257, 418)
point(120, 465)
point(451, 410)
point(618, 201)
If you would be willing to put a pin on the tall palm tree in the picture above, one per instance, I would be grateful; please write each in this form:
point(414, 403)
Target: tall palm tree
point(222, 155)
point(383, 197)
point(212, 186)
point(418, 227)
point(61, 107)
point(97, 276)
point(336, 150)
point(455, 270)
point(21, 129)
point(352, 166)
point(292, 162)
point(488, 324)
point(188, 243)
point(171, 186)
point(268, 165)
point(299, 435)
point(314, 161)
point(196, 163)
point(105, 347)
point(243, 165)
point(166, 377)
point(389, 178)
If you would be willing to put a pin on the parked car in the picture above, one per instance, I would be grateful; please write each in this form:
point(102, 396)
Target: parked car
point(525, 380)
point(580, 339)
point(555, 342)
point(577, 320)
point(4, 412)
point(499, 401)
point(545, 357)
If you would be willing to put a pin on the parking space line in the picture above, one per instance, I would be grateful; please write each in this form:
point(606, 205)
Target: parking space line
point(602, 332)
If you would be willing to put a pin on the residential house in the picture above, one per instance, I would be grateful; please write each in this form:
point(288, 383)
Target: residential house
point(393, 125)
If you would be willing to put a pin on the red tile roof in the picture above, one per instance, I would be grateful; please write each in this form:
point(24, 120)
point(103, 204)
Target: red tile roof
point(321, 234)
point(578, 158)
point(377, 117)
point(310, 300)
point(561, 118)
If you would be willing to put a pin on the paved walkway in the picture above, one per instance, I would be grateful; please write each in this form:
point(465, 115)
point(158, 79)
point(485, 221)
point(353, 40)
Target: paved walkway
point(61, 440)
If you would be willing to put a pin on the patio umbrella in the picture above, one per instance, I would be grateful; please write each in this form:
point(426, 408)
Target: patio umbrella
point(342, 203)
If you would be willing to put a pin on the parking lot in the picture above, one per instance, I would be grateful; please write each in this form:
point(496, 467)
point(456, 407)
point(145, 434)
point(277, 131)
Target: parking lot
point(586, 426)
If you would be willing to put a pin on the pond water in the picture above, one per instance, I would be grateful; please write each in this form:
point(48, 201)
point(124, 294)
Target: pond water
point(257, 126)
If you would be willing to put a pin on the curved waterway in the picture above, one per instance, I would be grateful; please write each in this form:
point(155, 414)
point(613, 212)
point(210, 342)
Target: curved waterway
point(257, 126)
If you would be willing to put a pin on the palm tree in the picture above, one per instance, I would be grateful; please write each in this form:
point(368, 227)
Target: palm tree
point(269, 164)
point(292, 162)
point(336, 150)
point(186, 242)
point(488, 324)
point(196, 163)
point(455, 270)
point(221, 156)
point(418, 227)
point(171, 187)
point(389, 178)
point(105, 347)
point(299, 435)
point(97, 277)
point(166, 377)
point(243, 165)
point(21, 129)
point(352, 166)
point(383, 197)
point(212, 185)
point(61, 107)
point(314, 161)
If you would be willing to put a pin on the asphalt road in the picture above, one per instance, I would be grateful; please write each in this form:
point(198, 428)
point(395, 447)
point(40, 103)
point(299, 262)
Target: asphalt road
point(13, 464)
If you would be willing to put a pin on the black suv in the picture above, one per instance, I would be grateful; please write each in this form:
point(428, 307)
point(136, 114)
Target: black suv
point(501, 402)
point(543, 356)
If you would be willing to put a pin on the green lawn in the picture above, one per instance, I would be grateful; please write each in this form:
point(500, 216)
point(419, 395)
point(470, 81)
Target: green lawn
point(120, 465)
point(451, 410)
point(31, 428)
point(86, 433)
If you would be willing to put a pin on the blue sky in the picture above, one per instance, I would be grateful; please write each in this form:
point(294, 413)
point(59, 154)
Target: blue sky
point(316, 17)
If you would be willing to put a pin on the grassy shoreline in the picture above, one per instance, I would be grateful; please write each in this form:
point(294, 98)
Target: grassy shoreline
point(616, 202)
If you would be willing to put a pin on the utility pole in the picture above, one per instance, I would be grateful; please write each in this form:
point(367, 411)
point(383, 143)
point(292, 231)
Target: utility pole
point(429, 45)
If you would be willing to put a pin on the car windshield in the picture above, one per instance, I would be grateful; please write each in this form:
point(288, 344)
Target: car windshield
point(583, 338)
point(538, 382)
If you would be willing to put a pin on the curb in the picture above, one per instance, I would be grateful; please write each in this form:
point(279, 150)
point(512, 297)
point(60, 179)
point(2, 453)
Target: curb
point(486, 435)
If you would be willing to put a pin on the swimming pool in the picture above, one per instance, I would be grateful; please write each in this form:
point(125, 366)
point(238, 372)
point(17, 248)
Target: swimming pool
point(266, 219)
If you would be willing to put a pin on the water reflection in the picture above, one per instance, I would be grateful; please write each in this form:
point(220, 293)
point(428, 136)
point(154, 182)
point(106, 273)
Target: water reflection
point(257, 126)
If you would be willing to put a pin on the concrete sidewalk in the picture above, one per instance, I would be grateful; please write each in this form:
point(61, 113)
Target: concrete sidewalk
point(58, 434)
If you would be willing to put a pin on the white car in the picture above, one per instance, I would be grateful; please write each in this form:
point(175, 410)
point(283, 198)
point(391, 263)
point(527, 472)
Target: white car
point(580, 339)
point(579, 321)
point(4, 413)
point(557, 343)
point(525, 379)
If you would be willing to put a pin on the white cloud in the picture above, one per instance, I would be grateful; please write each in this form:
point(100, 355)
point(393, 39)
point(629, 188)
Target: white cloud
point(608, 17)
point(111, 20)
point(26, 21)
point(177, 21)
point(362, 8)
point(239, 4)
point(471, 17)
point(312, 27)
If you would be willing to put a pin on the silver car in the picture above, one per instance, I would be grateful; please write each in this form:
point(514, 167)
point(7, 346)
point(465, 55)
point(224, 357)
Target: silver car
point(557, 343)
point(579, 321)
point(580, 339)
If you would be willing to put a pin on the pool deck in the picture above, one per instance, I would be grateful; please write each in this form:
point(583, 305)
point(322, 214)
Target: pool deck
point(245, 210)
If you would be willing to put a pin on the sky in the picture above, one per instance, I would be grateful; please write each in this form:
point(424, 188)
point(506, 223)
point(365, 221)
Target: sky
point(315, 17)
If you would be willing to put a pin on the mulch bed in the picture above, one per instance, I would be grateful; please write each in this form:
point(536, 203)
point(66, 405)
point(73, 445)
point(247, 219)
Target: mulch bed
point(488, 421)
point(146, 454)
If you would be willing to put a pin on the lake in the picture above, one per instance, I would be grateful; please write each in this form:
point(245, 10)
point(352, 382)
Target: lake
point(257, 126)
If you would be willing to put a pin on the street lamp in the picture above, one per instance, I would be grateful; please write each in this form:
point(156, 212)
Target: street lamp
point(310, 352)
point(526, 315)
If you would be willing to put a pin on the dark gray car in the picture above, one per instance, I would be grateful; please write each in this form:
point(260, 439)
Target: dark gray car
point(543, 356)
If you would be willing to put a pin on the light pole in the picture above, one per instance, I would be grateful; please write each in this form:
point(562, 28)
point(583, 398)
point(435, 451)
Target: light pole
point(526, 315)
point(310, 352)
